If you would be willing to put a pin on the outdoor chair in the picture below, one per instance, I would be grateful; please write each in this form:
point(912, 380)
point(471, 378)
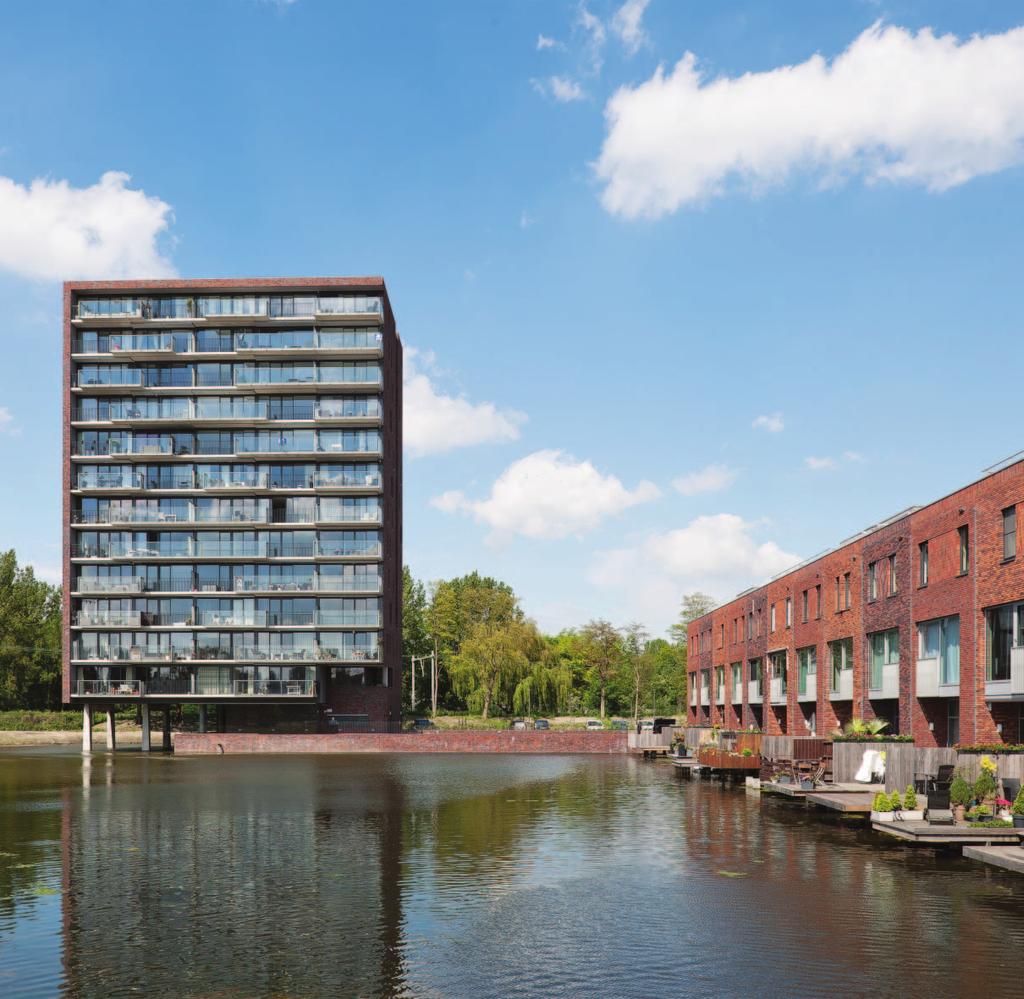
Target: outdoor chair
point(1011, 788)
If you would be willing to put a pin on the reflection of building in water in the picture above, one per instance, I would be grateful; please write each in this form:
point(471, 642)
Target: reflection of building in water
point(251, 879)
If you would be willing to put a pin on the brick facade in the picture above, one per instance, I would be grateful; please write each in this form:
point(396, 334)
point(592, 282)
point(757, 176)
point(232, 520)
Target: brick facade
point(964, 582)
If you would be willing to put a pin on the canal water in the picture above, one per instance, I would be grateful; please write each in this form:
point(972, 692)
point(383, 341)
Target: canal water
point(468, 876)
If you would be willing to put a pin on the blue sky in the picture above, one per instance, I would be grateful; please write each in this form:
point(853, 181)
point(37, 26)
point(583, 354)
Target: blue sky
point(607, 273)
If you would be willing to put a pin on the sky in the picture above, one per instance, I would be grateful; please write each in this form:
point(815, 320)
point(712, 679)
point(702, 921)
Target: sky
point(689, 291)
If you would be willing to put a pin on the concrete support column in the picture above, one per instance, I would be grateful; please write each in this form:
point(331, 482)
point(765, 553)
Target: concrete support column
point(167, 730)
point(111, 730)
point(87, 728)
point(202, 717)
point(145, 727)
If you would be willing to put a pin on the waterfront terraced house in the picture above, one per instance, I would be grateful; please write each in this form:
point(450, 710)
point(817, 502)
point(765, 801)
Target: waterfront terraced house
point(232, 500)
point(918, 620)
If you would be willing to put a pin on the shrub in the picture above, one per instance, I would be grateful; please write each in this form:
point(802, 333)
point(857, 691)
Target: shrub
point(882, 803)
point(991, 824)
point(1018, 803)
point(748, 752)
point(896, 801)
point(989, 747)
point(910, 799)
point(960, 792)
point(985, 785)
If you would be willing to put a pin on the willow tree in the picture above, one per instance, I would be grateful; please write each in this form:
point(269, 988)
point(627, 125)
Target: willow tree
point(491, 661)
point(548, 682)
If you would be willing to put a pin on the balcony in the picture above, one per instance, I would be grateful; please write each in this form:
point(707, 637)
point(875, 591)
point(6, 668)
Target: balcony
point(113, 550)
point(808, 689)
point(843, 690)
point(134, 653)
point(886, 685)
point(111, 584)
point(753, 691)
point(778, 690)
point(250, 687)
point(256, 654)
point(194, 686)
point(109, 619)
point(101, 381)
point(929, 680)
point(348, 654)
point(1014, 686)
point(120, 515)
point(141, 345)
point(108, 688)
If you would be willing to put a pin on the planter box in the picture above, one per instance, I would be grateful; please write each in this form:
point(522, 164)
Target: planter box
point(881, 816)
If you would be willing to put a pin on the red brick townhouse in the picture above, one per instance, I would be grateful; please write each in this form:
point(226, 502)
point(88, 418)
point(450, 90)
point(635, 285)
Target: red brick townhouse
point(918, 620)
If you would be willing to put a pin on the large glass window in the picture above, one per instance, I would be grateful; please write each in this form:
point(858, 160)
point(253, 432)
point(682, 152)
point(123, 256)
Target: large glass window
point(807, 663)
point(841, 652)
point(885, 651)
point(1010, 532)
point(1000, 623)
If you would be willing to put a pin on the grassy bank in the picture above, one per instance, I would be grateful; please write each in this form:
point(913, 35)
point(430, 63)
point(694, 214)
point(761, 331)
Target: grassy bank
point(55, 721)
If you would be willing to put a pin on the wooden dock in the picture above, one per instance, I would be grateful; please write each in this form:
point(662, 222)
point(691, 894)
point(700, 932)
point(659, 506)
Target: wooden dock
point(1009, 858)
point(926, 834)
point(796, 791)
point(846, 802)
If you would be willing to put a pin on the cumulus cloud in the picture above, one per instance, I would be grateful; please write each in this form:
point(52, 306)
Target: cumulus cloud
point(717, 554)
point(626, 24)
point(710, 479)
point(772, 422)
point(434, 422)
point(894, 106)
point(559, 88)
point(51, 230)
point(548, 494)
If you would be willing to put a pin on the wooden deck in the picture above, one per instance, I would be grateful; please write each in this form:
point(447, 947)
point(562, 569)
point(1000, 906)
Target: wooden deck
point(795, 791)
point(685, 762)
point(1009, 858)
point(846, 802)
point(929, 835)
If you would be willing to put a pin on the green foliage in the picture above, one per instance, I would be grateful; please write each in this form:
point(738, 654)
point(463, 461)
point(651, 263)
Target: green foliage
point(895, 801)
point(910, 799)
point(882, 802)
point(747, 752)
point(1018, 803)
point(694, 605)
point(960, 792)
point(30, 638)
point(985, 785)
point(842, 737)
point(601, 646)
point(991, 824)
point(1009, 748)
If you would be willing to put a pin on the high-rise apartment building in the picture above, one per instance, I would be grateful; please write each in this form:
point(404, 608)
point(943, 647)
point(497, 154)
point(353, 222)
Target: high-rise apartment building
point(233, 500)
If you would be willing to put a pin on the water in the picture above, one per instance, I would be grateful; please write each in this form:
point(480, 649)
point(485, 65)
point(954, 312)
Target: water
point(467, 876)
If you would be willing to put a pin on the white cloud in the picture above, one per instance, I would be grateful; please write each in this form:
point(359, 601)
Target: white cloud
point(559, 88)
point(894, 106)
point(543, 42)
point(434, 422)
point(772, 422)
point(824, 464)
point(626, 24)
point(708, 480)
point(548, 494)
point(718, 554)
point(53, 231)
point(593, 30)
point(7, 425)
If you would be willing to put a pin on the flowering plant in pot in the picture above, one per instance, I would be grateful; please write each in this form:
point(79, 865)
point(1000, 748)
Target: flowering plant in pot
point(1003, 808)
point(1017, 811)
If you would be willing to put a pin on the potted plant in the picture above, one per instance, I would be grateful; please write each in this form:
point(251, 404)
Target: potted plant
point(911, 813)
point(1017, 811)
point(985, 785)
point(1003, 809)
point(881, 808)
point(961, 794)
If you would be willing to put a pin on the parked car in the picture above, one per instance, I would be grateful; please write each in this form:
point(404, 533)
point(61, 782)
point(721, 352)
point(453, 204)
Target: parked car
point(647, 725)
point(422, 725)
point(620, 725)
point(541, 724)
point(593, 725)
point(518, 724)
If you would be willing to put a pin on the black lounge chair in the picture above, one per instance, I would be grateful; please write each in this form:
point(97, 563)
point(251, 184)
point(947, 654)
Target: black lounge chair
point(1011, 788)
point(945, 775)
point(939, 812)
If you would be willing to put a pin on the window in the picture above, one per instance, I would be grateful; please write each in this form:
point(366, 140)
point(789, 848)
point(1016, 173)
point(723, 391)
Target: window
point(803, 606)
point(737, 678)
point(773, 617)
point(964, 549)
point(817, 602)
point(1009, 532)
point(940, 639)
point(755, 675)
point(750, 626)
point(885, 651)
point(721, 636)
point(839, 605)
point(1000, 640)
point(846, 590)
point(842, 660)
point(922, 564)
point(807, 665)
point(893, 587)
point(720, 681)
point(873, 581)
point(789, 612)
point(777, 670)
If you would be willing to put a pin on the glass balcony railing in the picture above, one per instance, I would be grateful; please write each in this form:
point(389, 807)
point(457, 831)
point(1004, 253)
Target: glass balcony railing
point(348, 653)
point(348, 619)
point(112, 549)
point(111, 584)
point(216, 306)
point(88, 378)
point(108, 688)
point(109, 619)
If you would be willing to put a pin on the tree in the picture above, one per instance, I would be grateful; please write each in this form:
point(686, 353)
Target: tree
point(694, 605)
point(491, 661)
point(30, 638)
point(601, 646)
point(668, 677)
point(638, 662)
point(415, 638)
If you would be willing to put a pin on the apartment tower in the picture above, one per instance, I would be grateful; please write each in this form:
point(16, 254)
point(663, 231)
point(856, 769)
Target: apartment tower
point(233, 501)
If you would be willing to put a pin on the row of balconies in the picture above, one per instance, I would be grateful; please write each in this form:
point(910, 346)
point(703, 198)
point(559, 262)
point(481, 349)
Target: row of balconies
point(133, 619)
point(244, 342)
point(179, 409)
point(227, 550)
point(242, 654)
point(177, 448)
point(191, 515)
point(193, 685)
point(216, 307)
point(187, 583)
point(367, 376)
point(187, 478)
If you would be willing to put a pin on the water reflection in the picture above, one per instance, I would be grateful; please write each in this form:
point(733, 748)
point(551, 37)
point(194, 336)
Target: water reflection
point(466, 876)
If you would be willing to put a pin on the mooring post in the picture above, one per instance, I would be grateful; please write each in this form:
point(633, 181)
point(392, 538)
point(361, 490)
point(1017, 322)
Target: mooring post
point(145, 727)
point(87, 727)
point(111, 730)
